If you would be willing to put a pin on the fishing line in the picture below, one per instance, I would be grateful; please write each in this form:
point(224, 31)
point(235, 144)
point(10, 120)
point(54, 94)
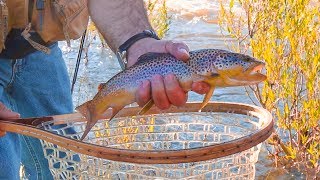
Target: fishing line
point(76, 69)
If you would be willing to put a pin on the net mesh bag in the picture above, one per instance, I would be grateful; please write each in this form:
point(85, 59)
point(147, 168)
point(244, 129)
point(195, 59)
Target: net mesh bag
point(157, 132)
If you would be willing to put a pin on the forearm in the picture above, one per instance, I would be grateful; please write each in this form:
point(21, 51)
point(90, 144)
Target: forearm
point(118, 20)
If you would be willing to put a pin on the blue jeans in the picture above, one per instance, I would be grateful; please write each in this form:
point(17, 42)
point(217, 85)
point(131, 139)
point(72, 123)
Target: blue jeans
point(37, 85)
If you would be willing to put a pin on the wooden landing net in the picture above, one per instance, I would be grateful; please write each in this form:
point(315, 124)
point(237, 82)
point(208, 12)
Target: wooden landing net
point(220, 142)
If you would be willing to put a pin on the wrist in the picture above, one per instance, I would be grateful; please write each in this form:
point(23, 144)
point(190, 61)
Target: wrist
point(122, 52)
point(139, 48)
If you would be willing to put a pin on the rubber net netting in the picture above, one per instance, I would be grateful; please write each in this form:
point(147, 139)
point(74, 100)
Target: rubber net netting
point(172, 131)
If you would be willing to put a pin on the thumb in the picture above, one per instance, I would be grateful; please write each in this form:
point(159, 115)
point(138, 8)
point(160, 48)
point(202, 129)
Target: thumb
point(6, 113)
point(178, 49)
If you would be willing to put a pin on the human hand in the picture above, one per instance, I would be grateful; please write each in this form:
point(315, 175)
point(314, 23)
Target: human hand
point(6, 113)
point(165, 90)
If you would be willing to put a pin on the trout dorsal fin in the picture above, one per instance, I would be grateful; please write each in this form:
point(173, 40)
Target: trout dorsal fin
point(101, 86)
point(148, 56)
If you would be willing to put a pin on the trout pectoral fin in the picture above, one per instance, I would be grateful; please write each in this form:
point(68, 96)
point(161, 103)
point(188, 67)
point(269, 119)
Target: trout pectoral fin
point(207, 98)
point(146, 107)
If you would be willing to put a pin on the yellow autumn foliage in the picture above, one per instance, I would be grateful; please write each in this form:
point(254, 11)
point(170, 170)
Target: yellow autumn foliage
point(286, 35)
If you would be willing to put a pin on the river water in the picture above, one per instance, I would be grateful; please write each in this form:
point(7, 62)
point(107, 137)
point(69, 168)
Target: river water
point(193, 22)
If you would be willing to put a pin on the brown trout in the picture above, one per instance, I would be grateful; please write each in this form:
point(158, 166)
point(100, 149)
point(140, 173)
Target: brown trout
point(218, 68)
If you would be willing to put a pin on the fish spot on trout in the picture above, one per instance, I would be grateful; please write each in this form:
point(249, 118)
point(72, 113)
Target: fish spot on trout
point(218, 68)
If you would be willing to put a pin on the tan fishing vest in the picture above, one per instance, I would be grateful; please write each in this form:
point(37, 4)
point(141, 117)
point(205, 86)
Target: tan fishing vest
point(53, 20)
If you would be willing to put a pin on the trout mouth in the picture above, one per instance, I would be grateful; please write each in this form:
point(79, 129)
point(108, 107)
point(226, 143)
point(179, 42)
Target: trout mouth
point(256, 71)
point(250, 76)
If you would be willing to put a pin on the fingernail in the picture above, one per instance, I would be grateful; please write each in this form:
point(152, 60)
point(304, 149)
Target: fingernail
point(17, 115)
point(183, 51)
point(14, 114)
point(145, 84)
point(156, 78)
point(169, 77)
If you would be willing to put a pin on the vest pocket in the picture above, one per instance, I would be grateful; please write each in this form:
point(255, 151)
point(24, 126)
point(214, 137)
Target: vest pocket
point(13, 14)
point(73, 16)
point(61, 20)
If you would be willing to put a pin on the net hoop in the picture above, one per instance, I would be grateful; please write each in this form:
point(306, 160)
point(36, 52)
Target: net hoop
point(163, 156)
point(203, 153)
point(186, 155)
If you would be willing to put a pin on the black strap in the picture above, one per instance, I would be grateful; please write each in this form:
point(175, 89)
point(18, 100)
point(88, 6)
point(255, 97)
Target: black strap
point(144, 34)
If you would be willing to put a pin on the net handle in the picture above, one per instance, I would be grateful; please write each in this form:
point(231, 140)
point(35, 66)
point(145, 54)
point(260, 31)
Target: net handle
point(158, 157)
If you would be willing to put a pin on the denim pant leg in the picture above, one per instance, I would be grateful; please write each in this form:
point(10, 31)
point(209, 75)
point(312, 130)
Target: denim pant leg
point(41, 88)
point(9, 144)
